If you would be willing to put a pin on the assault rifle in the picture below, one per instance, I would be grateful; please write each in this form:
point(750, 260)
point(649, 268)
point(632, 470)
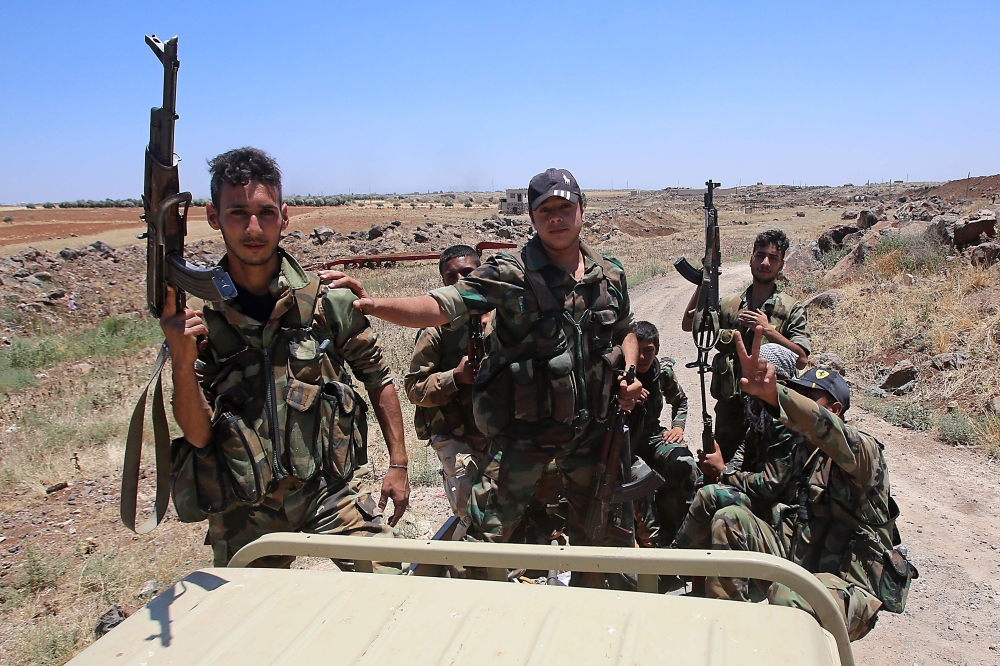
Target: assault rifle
point(165, 213)
point(705, 326)
point(163, 201)
point(476, 347)
point(616, 454)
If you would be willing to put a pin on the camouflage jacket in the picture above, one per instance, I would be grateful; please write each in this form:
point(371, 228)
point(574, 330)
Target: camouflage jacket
point(837, 516)
point(762, 465)
point(552, 370)
point(444, 407)
point(784, 313)
point(661, 382)
point(279, 389)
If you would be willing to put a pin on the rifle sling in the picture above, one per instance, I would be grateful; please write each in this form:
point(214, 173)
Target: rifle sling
point(133, 453)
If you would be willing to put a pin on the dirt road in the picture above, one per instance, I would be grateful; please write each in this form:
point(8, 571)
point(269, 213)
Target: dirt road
point(947, 497)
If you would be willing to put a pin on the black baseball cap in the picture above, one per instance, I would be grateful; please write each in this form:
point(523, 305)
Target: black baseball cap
point(553, 183)
point(827, 380)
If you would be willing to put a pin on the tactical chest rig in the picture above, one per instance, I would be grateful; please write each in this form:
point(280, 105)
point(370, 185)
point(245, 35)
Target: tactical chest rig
point(829, 536)
point(546, 368)
point(283, 407)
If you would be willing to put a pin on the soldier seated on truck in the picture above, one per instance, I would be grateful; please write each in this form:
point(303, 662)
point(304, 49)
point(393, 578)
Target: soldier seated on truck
point(659, 516)
point(562, 333)
point(836, 517)
point(440, 383)
point(762, 304)
point(266, 395)
point(756, 476)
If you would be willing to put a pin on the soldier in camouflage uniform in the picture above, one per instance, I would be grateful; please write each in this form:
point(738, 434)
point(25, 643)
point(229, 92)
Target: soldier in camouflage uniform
point(762, 304)
point(264, 400)
point(562, 332)
point(659, 516)
point(439, 383)
point(756, 475)
point(836, 517)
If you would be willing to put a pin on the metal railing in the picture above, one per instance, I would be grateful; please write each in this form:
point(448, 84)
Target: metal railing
point(646, 564)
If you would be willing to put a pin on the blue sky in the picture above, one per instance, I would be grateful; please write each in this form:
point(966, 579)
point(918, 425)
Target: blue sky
point(398, 97)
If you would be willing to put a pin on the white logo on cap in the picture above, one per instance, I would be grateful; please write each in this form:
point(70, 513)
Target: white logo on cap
point(566, 178)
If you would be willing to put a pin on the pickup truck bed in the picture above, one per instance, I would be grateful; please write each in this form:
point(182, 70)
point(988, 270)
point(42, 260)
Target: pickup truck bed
point(267, 616)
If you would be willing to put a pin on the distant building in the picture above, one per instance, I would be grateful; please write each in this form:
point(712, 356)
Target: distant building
point(515, 203)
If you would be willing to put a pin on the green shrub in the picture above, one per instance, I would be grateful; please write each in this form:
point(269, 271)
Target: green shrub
point(8, 218)
point(30, 206)
point(906, 413)
point(910, 252)
point(49, 643)
point(831, 258)
point(48, 204)
point(956, 428)
point(38, 572)
point(468, 204)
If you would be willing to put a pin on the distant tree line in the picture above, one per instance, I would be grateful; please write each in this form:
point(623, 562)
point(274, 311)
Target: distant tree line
point(447, 199)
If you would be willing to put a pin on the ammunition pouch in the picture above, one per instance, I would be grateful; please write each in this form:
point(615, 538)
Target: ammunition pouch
point(342, 431)
point(197, 481)
point(888, 569)
point(725, 384)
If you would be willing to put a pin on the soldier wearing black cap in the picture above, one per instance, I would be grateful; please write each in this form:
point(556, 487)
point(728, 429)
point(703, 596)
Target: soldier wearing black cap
point(836, 517)
point(563, 328)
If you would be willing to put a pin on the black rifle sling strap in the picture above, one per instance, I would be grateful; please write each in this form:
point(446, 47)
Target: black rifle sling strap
point(133, 452)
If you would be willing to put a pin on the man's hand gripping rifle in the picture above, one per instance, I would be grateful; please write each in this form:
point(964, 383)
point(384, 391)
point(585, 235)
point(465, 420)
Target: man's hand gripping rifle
point(162, 200)
point(476, 347)
point(616, 456)
point(705, 326)
point(165, 265)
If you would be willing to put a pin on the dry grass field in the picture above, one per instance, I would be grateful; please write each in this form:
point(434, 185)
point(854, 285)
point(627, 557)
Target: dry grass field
point(64, 556)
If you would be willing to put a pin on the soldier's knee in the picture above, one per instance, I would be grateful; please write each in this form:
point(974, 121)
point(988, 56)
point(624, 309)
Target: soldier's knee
point(730, 527)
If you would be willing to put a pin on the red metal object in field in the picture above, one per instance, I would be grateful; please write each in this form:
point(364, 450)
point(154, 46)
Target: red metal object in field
point(389, 260)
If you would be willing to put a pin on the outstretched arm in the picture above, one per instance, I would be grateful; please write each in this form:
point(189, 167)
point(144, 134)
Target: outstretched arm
point(414, 312)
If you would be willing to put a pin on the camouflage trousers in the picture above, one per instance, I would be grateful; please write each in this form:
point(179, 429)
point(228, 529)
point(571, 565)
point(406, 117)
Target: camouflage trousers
point(659, 516)
point(468, 476)
point(696, 530)
point(526, 473)
point(313, 508)
point(730, 426)
point(736, 528)
point(524, 468)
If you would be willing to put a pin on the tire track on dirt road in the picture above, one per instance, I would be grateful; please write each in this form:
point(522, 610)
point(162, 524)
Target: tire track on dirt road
point(948, 498)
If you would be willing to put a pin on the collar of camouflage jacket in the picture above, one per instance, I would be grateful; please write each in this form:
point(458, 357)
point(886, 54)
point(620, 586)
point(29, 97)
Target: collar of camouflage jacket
point(290, 278)
point(535, 258)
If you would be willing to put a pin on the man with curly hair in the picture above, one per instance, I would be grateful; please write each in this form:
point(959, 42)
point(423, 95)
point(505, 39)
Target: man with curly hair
point(274, 430)
point(784, 322)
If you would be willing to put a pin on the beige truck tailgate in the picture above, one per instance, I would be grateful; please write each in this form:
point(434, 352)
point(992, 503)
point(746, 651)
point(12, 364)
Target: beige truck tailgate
point(264, 616)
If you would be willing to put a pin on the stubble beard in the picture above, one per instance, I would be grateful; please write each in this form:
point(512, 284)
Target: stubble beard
point(236, 249)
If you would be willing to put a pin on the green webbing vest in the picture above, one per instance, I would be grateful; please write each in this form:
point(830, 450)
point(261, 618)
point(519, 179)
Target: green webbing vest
point(829, 536)
point(284, 410)
point(543, 376)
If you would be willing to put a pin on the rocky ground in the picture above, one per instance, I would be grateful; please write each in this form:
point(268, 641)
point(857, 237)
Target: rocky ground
point(65, 559)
